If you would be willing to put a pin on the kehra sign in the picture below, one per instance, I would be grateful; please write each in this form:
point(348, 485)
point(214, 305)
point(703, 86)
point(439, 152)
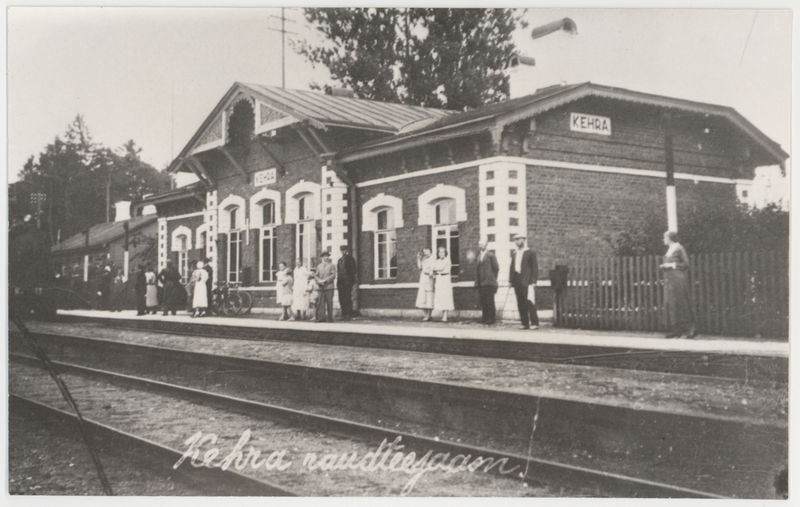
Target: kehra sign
point(265, 177)
point(590, 124)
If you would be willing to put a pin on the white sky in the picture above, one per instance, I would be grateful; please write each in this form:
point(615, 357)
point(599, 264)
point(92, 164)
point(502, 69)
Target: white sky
point(152, 75)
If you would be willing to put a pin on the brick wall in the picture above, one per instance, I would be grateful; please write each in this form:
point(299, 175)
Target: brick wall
point(411, 238)
point(575, 213)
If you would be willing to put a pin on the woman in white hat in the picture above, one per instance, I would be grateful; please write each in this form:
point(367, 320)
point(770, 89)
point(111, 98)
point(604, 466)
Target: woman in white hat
point(200, 297)
point(443, 285)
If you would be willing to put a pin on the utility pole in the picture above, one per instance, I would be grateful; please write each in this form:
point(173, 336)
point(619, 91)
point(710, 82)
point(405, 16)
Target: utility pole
point(283, 33)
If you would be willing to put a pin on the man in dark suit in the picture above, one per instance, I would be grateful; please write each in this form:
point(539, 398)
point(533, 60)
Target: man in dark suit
point(523, 273)
point(486, 282)
point(140, 286)
point(345, 280)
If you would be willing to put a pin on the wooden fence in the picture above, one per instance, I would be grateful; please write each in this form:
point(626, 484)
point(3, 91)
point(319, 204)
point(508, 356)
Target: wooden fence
point(733, 294)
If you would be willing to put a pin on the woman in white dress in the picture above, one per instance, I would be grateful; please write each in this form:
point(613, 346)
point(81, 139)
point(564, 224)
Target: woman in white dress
point(200, 295)
point(443, 285)
point(284, 289)
point(425, 291)
point(151, 291)
point(299, 296)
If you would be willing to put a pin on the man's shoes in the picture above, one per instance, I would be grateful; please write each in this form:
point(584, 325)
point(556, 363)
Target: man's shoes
point(535, 327)
point(525, 327)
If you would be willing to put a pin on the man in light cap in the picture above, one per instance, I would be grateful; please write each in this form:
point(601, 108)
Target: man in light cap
point(326, 274)
point(523, 273)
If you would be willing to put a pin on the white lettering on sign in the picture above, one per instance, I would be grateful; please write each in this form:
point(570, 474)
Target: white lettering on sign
point(590, 124)
point(265, 177)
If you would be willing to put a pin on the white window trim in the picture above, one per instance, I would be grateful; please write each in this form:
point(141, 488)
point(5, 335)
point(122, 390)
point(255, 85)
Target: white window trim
point(181, 230)
point(228, 257)
point(224, 221)
point(369, 211)
point(198, 233)
point(427, 200)
point(375, 255)
point(302, 187)
point(256, 214)
point(262, 230)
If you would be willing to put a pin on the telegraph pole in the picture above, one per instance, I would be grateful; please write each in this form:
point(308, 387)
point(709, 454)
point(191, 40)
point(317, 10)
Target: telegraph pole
point(283, 33)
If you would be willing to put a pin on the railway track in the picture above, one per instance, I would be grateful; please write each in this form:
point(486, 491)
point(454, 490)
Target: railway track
point(363, 406)
point(534, 470)
point(155, 455)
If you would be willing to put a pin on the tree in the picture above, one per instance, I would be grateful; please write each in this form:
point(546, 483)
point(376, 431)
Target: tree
point(447, 58)
point(711, 227)
point(72, 174)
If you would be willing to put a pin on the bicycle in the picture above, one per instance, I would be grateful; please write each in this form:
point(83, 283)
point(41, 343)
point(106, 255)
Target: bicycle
point(229, 300)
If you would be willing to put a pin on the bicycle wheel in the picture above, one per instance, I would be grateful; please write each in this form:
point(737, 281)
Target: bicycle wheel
point(233, 304)
point(247, 302)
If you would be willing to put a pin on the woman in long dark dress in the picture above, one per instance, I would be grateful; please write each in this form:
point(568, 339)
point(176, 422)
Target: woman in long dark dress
point(677, 291)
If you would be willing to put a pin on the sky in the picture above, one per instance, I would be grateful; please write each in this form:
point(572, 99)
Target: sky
point(153, 74)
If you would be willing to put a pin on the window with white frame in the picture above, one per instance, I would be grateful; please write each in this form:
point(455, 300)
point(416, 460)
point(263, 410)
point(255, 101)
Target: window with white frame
point(183, 258)
point(305, 231)
point(234, 244)
point(445, 231)
point(385, 245)
point(268, 247)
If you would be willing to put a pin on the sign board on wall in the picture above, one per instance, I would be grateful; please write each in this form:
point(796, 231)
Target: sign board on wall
point(265, 177)
point(590, 124)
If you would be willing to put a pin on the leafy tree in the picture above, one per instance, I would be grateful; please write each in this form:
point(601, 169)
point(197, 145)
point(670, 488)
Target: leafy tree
point(711, 227)
point(450, 58)
point(72, 173)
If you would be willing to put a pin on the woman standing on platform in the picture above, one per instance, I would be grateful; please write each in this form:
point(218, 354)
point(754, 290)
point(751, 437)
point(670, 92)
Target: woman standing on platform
point(299, 297)
point(200, 294)
point(443, 285)
point(151, 292)
point(677, 291)
point(284, 289)
point(425, 291)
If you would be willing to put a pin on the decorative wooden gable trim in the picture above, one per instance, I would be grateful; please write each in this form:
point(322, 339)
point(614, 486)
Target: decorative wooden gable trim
point(268, 118)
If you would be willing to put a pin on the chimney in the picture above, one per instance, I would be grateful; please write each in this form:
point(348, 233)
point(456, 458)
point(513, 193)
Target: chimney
point(339, 92)
point(520, 71)
point(122, 211)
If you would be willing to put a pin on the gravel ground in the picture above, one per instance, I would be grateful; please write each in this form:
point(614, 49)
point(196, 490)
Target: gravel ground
point(44, 460)
point(752, 401)
point(171, 421)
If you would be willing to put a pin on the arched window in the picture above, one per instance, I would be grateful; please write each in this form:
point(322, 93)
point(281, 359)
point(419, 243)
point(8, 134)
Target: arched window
point(385, 244)
point(445, 231)
point(234, 260)
point(183, 257)
point(304, 239)
point(267, 251)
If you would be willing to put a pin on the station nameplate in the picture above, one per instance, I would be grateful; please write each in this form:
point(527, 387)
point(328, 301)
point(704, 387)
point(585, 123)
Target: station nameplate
point(265, 177)
point(590, 124)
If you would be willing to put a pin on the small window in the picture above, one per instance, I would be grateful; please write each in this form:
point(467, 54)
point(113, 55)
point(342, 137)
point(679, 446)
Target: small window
point(512, 206)
point(490, 237)
point(513, 174)
point(490, 206)
point(328, 197)
point(513, 221)
point(512, 190)
point(489, 190)
point(490, 222)
point(327, 211)
point(267, 212)
point(489, 175)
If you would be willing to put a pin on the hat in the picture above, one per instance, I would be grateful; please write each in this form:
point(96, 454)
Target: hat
point(325, 254)
point(108, 268)
point(518, 236)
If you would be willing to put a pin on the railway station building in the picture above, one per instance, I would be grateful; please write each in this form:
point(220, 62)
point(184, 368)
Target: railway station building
point(285, 174)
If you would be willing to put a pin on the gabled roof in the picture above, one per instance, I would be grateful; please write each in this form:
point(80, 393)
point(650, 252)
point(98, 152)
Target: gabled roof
point(321, 111)
point(502, 113)
point(100, 234)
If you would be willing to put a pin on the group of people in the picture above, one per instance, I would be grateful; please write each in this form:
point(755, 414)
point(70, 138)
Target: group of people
point(304, 292)
point(172, 294)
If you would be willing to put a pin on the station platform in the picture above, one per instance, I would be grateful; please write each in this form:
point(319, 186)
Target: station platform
point(466, 330)
point(741, 359)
